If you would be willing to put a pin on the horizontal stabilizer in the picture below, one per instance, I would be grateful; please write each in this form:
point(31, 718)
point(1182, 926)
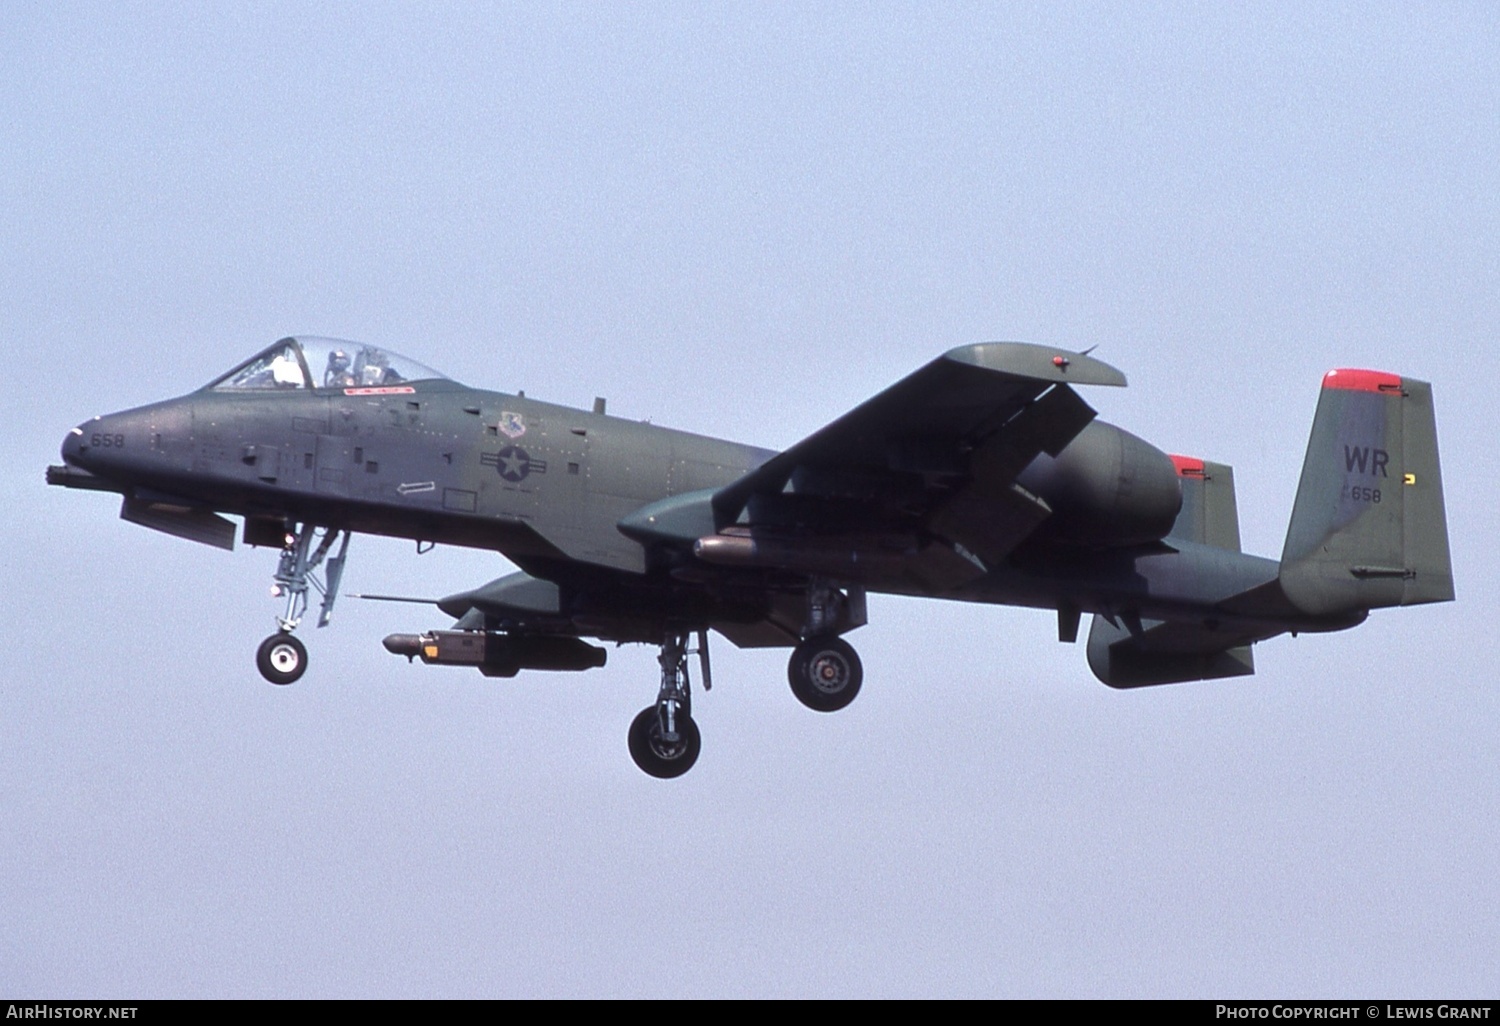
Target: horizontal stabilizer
point(1164, 653)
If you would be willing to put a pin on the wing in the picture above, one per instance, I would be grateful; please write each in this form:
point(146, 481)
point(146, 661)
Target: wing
point(932, 459)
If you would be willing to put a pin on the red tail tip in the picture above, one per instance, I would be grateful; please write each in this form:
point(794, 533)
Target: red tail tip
point(1188, 466)
point(1362, 380)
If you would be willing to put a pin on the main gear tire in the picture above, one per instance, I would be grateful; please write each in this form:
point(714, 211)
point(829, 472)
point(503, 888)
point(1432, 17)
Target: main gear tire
point(825, 673)
point(655, 754)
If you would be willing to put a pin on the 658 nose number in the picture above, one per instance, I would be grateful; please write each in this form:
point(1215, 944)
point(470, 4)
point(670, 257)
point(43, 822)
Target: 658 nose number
point(102, 441)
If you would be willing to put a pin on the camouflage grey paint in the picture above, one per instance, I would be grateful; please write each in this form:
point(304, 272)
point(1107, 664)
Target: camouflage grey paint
point(434, 462)
point(982, 477)
point(1368, 528)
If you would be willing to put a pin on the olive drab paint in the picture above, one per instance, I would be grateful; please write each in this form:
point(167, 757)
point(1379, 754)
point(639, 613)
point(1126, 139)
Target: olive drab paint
point(1368, 527)
point(983, 476)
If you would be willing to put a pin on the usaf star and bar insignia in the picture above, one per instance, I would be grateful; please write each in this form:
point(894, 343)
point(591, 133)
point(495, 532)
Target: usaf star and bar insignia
point(513, 463)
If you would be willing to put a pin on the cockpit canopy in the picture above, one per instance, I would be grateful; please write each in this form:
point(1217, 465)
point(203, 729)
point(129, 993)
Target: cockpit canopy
point(311, 362)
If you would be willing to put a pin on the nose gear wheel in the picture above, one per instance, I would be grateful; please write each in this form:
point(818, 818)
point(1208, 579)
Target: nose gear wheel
point(281, 658)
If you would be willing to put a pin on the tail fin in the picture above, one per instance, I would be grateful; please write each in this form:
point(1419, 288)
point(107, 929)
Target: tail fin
point(1209, 514)
point(1368, 528)
point(1130, 655)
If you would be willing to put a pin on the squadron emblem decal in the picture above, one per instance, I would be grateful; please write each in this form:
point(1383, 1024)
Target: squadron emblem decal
point(513, 463)
point(512, 424)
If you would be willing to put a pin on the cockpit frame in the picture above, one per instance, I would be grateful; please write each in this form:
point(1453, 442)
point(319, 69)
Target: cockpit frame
point(288, 365)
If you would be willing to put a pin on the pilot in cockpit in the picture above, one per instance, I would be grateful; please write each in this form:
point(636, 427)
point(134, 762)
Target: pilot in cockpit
point(338, 374)
point(373, 368)
point(286, 372)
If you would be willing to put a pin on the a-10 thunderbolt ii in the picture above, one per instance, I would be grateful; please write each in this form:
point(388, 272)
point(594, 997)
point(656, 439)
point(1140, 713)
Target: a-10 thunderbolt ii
point(983, 477)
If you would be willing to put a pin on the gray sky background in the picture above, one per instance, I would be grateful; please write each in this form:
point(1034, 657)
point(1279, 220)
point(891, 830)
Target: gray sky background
point(742, 220)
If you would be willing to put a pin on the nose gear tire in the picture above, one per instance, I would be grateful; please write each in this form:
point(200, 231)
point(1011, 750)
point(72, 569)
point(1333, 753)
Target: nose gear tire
point(281, 658)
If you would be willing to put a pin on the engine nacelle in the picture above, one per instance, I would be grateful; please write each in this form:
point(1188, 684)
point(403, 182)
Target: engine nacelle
point(1108, 487)
point(495, 654)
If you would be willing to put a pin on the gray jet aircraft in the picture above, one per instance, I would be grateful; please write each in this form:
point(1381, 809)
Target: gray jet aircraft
point(982, 477)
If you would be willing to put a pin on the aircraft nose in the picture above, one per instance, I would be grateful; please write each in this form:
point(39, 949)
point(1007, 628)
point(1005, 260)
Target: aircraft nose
point(72, 447)
point(99, 443)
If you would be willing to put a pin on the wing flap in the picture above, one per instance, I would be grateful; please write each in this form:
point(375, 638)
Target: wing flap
point(991, 514)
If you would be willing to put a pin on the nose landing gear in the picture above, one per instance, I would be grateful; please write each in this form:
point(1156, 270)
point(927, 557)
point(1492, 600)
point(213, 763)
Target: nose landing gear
point(281, 658)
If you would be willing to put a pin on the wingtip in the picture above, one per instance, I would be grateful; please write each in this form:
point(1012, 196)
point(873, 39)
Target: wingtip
point(1039, 363)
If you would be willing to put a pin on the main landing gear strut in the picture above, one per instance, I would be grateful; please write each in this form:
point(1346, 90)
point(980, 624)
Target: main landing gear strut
point(824, 671)
point(664, 740)
point(281, 658)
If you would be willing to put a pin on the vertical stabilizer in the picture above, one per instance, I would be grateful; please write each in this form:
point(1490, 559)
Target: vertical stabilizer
point(1209, 514)
point(1368, 528)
